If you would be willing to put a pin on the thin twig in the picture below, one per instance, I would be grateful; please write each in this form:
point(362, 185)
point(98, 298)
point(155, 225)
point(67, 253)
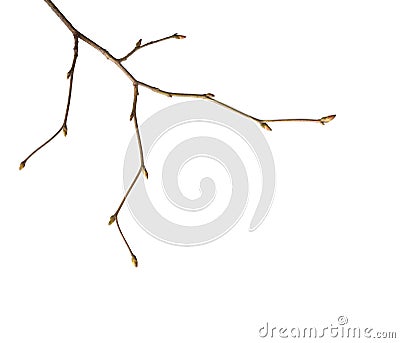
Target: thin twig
point(63, 128)
point(114, 216)
point(139, 140)
point(322, 120)
point(136, 83)
point(139, 45)
point(117, 62)
point(70, 76)
point(135, 95)
point(134, 259)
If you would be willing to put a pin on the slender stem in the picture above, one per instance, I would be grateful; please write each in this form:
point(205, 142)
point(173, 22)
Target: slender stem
point(114, 216)
point(135, 95)
point(61, 16)
point(70, 75)
point(286, 120)
point(134, 259)
point(323, 120)
point(139, 45)
point(176, 94)
point(63, 127)
point(233, 109)
point(22, 165)
point(139, 140)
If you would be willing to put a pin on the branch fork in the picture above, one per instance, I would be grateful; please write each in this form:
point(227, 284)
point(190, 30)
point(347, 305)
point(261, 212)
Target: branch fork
point(77, 35)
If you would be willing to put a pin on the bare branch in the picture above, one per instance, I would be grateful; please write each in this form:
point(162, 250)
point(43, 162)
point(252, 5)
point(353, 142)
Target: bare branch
point(22, 164)
point(139, 140)
point(323, 120)
point(139, 45)
point(70, 76)
point(64, 129)
point(135, 95)
point(136, 83)
point(117, 62)
point(115, 215)
point(134, 259)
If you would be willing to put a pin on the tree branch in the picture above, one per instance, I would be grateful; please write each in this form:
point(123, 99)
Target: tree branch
point(63, 128)
point(323, 120)
point(139, 140)
point(70, 76)
point(136, 83)
point(139, 45)
point(134, 259)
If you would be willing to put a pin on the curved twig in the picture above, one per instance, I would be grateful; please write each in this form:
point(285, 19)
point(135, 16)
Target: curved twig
point(63, 128)
point(139, 45)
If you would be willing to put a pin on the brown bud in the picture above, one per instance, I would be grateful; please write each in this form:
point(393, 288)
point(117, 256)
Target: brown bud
point(139, 43)
point(327, 119)
point(112, 219)
point(265, 126)
point(145, 173)
point(210, 95)
point(65, 130)
point(22, 165)
point(134, 260)
point(180, 36)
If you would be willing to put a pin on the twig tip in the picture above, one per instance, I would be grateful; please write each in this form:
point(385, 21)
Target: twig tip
point(22, 165)
point(327, 119)
point(134, 260)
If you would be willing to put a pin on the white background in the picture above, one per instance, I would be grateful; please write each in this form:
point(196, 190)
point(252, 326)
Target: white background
point(329, 245)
